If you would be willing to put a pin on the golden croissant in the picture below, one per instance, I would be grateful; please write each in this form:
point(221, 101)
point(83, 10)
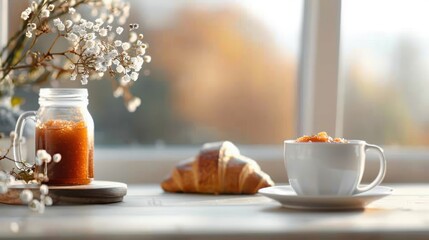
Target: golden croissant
point(219, 168)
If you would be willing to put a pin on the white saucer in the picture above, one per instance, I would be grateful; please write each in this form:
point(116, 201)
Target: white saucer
point(288, 198)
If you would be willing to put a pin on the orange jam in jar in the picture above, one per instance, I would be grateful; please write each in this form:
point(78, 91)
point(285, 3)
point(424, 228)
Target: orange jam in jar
point(73, 141)
point(63, 126)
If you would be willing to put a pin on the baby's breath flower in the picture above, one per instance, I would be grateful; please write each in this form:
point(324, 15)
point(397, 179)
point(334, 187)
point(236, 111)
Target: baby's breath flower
point(147, 58)
point(57, 158)
point(140, 51)
point(28, 34)
point(96, 28)
point(34, 5)
point(47, 201)
point(26, 13)
point(45, 13)
point(125, 79)
point(119, 30)
point(38, 161)
point(34, 205)
point(89, 44)
point(114, 53)
point(118, 43)
point(31, 26)
point(72, 10)
point(43, 156)
point(76, 17)
point(134, 76)
point(84, 79)
point(110, 19)
point(119, 69)
point(122, 20)
point(103, 32)
point(119, 91)
point(57, 21)
point(61, 27)
point(99, 21)
point(89, 24)
point(26, 196)
point(51, 7)
point(94, 54)
point(90, 36)
point(12, 135)
point(133, 37)
point(40, 153)
point(72, 37)
point(44, 189)
point(126, 46)
point(133, 104)
point(134, 26)
point(68, 23)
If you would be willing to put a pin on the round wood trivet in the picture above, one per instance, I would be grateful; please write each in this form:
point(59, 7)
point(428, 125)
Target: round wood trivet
point(96, 192)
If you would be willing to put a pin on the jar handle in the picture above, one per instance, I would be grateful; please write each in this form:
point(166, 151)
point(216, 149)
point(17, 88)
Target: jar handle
point(19, 129)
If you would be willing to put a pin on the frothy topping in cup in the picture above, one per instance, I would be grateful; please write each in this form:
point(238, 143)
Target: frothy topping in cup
point(321, 137)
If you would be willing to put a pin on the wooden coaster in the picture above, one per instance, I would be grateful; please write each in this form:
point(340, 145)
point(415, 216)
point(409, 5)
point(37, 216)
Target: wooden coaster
point(97, 192)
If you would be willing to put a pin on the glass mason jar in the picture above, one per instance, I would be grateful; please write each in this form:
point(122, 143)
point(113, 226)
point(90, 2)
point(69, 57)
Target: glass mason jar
point(65, 126)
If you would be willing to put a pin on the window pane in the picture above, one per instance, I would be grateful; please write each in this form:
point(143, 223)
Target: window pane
point(385, 64)
point(219, 70)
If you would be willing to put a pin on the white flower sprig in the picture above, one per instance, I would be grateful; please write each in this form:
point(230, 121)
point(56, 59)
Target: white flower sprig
point(37, 205)
point(26, 196)
point(96, 47)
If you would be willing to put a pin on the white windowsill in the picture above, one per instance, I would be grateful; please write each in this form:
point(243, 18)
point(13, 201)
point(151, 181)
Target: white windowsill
point(151, 165)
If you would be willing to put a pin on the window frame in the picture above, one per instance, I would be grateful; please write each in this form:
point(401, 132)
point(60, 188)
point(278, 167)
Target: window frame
point(4, 23)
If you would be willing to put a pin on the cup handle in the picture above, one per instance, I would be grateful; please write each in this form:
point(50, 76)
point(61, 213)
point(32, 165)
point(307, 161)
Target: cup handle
point(381, 172)
point(19, 129)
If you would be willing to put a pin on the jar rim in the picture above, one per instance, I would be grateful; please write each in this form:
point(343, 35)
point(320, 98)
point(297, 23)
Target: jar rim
point(63, 92)
point(63, 96)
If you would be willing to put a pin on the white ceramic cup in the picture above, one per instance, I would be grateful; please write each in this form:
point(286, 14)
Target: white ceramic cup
point(329, 168)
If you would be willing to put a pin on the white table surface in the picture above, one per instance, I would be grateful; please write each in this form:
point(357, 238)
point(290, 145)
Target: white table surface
point(148, 213)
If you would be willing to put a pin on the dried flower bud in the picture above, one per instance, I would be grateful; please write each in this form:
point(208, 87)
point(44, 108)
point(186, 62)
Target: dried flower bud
point(28, 34)
point(45, 13)
point(57, 158)
point(118, 43)
point(48, 201)
point(119, 30)
point(40, 153)
point(120, 69)
point(119, 91)
point(72, 10)
point(147, 58)
point(26, 196)
point(51, 7)
point(68, 23)
point(44, 189)
point(103, 32)
point(126, 46)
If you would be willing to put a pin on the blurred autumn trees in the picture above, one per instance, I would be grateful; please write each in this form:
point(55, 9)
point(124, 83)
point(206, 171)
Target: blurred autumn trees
point(226, 74)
